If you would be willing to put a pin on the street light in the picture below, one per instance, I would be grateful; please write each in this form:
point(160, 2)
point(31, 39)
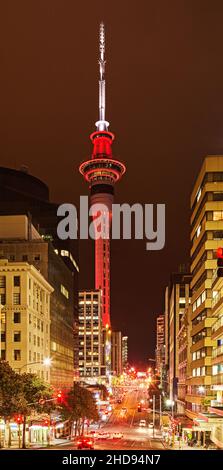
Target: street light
point(47, 362)
point(170, 403)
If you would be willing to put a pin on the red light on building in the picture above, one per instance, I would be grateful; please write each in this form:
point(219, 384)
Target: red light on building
point(220, 252)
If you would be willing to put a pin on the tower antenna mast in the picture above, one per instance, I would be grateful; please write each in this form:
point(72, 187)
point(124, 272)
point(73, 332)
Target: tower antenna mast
point(102, 124)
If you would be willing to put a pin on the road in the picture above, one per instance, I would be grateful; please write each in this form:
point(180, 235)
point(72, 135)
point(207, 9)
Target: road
point(127, 422)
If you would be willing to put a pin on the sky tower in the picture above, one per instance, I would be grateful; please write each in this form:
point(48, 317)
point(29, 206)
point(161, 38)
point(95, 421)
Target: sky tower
point(102, 171)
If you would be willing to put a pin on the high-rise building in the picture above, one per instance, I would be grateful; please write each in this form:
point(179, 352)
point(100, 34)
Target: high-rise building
point(102, 172)
point(160, 343)
point(206, 234)
point(25, 318)
point(177, 299)
point(20, 241)
point(184, 347)
point(91, 335)
point(116, 349)
point(24, 194)
point(124, 351)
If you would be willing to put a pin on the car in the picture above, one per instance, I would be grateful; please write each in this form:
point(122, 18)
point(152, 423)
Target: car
point(103, 435)
point(151, 425)
point(142, 423)
point(94, 434)
point(85, 443)
point(117, 435)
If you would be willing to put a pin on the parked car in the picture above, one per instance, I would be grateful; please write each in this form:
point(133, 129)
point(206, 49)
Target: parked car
point(85, 443)
point(104, 435)
point(142, 423)
point(117, 435)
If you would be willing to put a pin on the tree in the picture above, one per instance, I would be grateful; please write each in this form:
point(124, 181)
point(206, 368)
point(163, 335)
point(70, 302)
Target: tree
point(20, 395)
point(78, 406)
point(10, 386)
point(32, 391)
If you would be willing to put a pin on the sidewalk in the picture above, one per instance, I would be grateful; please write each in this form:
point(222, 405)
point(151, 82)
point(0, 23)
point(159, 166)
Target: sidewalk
point(53, 443)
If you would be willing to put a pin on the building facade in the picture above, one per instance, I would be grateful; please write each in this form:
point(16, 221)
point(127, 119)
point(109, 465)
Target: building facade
point(24, 194)
point(160, 343)
point(124, 352)
point(35, 250)
point(206, 232)
point(25, 318)
point(184, 346)
point(177, 299)
point(116, 348)
point(91, 335)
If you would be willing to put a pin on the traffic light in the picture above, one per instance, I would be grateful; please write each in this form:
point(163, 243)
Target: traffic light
point(46, 422)
point(139, 407)
point(220, 262)
point(19, 419)
point(59, 397)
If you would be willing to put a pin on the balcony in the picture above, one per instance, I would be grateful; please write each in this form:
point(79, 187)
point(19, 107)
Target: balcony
point(217, 352)
point(206, 323)
point(217, 379)
point(217, 328)
point(204, 342)
point(216, 404)
point(200, 380)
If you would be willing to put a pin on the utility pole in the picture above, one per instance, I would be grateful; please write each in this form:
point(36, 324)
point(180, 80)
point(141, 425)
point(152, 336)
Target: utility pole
point(154, 411)
point(160, 411)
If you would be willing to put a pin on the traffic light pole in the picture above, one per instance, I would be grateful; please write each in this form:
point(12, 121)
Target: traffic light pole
point(154, 416)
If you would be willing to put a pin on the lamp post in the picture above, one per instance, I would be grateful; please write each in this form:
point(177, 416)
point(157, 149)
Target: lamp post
point(47, 362)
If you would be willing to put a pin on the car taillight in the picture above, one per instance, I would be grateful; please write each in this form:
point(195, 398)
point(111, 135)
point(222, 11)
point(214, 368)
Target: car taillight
point(89, 442)
point(79, 442)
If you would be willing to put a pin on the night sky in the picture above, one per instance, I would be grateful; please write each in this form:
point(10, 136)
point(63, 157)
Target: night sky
point(165, 105)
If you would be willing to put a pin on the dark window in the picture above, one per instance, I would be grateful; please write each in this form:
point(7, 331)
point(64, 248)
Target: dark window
point(3, 337)
point(11, 257)
point(25, 257)
point(3, 355)
point(17, 336)
point(17, 355)
point(2, 281)
point(37, 257)
point(17, 317)
point(2, 299)
point(16, 281)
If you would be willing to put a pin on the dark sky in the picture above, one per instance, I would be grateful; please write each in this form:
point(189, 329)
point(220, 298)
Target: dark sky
point(164, 103)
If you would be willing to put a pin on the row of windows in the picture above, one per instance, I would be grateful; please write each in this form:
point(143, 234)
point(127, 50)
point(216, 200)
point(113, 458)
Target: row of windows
point(199, 371)
point(16, 336)
point(16, 281)
point(199, 301)
point(199, 354)
point(16, 298)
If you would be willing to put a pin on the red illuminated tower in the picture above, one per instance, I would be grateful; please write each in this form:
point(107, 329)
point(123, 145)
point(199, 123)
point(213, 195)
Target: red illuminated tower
point(102, 171)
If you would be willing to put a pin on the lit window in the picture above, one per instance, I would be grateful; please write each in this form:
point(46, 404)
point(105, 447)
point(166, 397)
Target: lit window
point(16, 298)
point(64, 291)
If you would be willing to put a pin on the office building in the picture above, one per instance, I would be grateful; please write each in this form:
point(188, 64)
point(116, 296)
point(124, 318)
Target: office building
point(124, 352)
point(91, 336)
point(25, 318)
point(116, 349)
point(20, 242)
point(177, 298)
point(206, 234)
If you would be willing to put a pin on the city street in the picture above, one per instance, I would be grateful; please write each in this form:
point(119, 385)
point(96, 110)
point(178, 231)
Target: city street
point(125, 419)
